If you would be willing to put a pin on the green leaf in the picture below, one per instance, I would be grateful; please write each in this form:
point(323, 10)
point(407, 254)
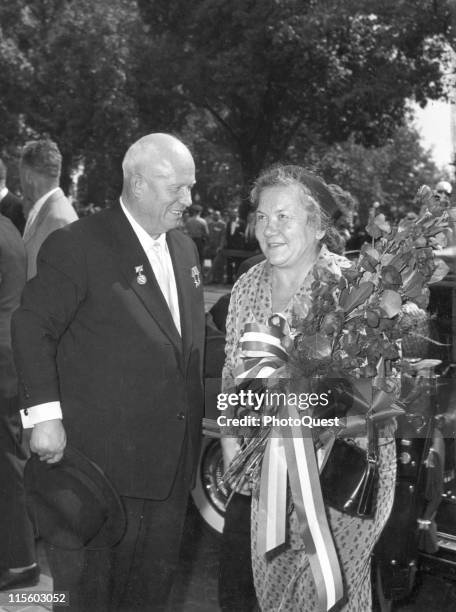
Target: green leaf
point(382, 224)
point(411, 278)
point(391, 277)
point(390, 303)
point(373, 230)
point(441, 270)
point(439, 240)
point(349, 300)
point(372, 318)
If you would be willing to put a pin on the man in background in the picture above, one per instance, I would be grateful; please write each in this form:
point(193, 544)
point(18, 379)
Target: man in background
point(10, 205)
point(46, 206)
point(18, 567)
point(234, 241)
point(197, 229)
point(442, 192)
point(217, 229)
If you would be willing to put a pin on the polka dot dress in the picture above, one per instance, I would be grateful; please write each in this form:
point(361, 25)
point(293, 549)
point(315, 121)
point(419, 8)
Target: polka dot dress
point(283, 580)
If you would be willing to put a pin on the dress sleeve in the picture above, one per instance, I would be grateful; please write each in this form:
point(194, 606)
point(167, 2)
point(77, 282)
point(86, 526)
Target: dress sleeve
point(232, 342)
point(234, 325)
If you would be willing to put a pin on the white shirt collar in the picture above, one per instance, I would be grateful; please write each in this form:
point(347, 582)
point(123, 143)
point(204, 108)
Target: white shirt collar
point(3, 192)
point(144, 238)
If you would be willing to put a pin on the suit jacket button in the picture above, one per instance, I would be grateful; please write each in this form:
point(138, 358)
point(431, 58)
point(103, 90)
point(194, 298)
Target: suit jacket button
point(180, 416)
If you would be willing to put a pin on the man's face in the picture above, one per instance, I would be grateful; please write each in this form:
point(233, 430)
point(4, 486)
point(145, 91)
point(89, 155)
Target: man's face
point(443, 197)
point(165, 194)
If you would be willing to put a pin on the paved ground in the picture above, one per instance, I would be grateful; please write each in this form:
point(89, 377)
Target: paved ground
point(195, 588)
point(44, 587)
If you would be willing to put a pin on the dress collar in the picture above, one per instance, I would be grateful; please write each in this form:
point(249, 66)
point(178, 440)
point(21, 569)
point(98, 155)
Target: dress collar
point(299, 305)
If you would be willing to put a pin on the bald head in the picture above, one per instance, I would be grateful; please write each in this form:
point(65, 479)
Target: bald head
point(154, 153)
point(159, 173)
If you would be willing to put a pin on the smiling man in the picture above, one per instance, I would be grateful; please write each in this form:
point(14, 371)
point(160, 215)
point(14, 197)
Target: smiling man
point(109, 346)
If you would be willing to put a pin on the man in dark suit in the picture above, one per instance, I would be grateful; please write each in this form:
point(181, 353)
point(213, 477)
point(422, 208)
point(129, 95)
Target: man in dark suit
point(109, 346)
point(10, 205)
point(18, 566)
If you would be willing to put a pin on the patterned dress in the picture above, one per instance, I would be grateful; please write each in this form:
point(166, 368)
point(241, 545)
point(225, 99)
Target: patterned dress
point(283, 579)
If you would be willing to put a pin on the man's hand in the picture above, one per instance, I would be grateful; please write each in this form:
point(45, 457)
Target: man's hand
point(48, 440)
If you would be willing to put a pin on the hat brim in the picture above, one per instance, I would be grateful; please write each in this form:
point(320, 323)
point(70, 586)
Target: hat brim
point(38, 473)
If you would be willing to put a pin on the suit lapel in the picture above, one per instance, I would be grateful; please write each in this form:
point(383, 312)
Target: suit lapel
point(185, 289)
point(131, 256)
point(43, 214)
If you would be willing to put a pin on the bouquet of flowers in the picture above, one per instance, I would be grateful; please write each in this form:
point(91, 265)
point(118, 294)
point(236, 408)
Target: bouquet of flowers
point(352, 329)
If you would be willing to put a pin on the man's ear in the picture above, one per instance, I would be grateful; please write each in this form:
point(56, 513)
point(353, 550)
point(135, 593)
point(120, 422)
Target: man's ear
point(137, 184)
point(319, 234)
point(26, 175)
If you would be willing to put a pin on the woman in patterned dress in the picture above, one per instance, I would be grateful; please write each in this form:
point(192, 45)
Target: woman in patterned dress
point(292, 212)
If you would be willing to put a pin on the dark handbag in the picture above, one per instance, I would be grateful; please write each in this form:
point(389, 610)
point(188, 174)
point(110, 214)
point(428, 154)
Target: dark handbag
point(349, 477)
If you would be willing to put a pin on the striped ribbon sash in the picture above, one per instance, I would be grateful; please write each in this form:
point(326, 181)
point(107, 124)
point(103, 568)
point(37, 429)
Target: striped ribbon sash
point(290, 452)
point(262, 350)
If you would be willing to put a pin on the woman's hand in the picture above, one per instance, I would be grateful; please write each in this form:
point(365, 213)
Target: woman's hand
point(230, 447)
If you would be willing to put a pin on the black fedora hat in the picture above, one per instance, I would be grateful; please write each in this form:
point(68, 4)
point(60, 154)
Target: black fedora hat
point(72, 504)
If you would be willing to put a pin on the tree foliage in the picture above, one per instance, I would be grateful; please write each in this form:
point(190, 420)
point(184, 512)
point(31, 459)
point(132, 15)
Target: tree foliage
point(274, 75)
point(245, 82)
point(76, 56)
point(389, 175)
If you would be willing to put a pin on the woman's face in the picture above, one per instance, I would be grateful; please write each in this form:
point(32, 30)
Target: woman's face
point(283, 231)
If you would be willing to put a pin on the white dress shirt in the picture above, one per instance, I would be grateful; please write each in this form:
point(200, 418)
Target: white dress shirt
point(35, 210)
point(160, 260)
point(3, 193)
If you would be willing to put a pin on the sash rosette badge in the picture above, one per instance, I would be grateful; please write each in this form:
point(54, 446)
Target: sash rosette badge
point(347, 340)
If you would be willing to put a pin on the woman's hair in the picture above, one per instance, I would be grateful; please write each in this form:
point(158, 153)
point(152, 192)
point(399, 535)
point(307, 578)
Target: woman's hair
point(320, 204)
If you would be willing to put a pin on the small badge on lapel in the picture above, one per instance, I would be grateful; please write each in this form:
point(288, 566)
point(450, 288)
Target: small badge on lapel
point(140, 277)
point(196, 276)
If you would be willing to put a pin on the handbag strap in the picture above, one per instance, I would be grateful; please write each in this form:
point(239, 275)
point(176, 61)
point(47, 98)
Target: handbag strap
point(371, 437)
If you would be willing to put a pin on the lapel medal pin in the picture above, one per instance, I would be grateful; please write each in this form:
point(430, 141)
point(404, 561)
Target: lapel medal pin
point(140, 277)
point(196, 276)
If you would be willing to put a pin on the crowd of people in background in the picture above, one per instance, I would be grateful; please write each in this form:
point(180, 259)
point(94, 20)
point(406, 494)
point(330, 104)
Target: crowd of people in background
point(224, 240)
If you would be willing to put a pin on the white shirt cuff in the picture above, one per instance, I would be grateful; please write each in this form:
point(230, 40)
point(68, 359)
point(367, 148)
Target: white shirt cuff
point(41, 412)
